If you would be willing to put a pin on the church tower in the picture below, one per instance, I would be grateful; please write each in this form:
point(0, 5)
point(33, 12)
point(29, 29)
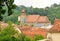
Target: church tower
point(23, 16)
point(23, 12)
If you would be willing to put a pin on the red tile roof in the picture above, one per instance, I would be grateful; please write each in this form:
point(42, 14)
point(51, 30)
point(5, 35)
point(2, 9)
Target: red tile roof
point(56, 26)
point(32, 31)
point(32, 18)
point(37, 18)
point(57, 21)
point(43, 19)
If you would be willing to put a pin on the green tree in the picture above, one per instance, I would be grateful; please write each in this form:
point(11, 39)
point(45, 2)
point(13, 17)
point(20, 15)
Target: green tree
point(9, 34)
point(2, 11)
point(27, 38)
point(38, 37)
point(10, 6)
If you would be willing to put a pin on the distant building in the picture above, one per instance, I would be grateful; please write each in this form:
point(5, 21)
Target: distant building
point(55, 30)
point(23, 16)
point(38, 21)
point(35, 20)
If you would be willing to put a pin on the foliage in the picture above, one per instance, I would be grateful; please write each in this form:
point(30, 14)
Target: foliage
point(9, 34)
point(10, 6)
point(12, 18)
point(38, 37)
point(52, 12)
point(2, 11)
point(27, 38)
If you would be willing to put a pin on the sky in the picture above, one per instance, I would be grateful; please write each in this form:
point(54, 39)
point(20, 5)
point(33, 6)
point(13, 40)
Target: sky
point(36, 3)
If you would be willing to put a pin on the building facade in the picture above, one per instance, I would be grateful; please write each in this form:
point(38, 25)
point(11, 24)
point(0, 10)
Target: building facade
point(55, 30)
point(34, 20)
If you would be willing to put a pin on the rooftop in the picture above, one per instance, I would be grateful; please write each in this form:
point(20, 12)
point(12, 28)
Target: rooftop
point(37, 18)
point(43, 19)
point(32, 18)
point(32, 31)
point(56, 26)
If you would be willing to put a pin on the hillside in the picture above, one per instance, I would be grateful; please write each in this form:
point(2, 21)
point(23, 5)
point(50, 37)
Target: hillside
point(52, 12)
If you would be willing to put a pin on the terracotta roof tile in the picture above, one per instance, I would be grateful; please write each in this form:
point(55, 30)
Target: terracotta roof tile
point(35, 31)
point(37, 18)
point(56, 26)
point(43, 19)
point(32, 18)
point(57, 21)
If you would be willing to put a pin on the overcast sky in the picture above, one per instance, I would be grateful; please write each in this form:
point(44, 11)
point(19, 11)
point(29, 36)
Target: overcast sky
point(36, 3)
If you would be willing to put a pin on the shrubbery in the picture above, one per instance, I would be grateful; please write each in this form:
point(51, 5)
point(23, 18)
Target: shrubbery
point(38, 37)
point(10, 34)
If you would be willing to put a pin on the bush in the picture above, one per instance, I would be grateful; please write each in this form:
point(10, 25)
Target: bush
point(27, 38)
point(38, 37)
point(8, 34)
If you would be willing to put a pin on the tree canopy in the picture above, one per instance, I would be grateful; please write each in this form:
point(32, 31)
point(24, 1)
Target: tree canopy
point(52, 12)
point(10, 6)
